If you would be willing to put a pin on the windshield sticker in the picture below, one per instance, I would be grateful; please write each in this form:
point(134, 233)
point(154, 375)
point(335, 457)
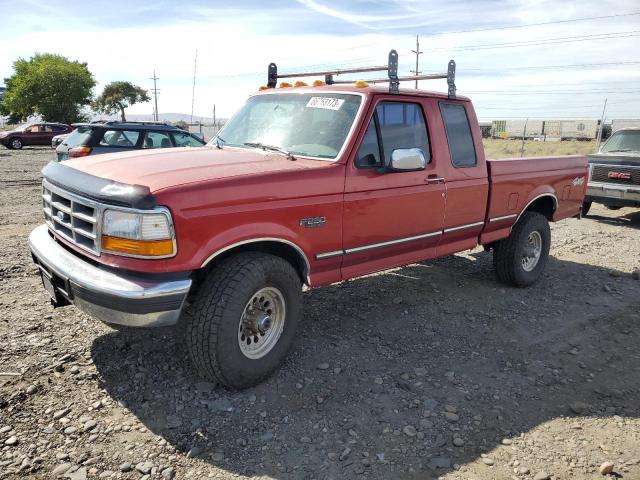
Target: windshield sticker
point(325, 102)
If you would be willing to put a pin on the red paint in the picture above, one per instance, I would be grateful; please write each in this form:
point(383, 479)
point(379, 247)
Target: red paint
point(221, 197)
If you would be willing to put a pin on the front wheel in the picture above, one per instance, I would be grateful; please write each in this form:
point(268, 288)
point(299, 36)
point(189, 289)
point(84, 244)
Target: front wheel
point(16, 143)
point(520, 258)
point(243, 319)
point(586, 206)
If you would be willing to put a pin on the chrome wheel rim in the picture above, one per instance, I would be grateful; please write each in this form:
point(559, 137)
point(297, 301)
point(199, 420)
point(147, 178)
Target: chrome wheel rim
point(16, 143)
point(532, 251)
point(261, 323)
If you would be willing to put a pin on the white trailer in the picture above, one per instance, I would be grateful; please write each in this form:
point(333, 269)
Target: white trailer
point(516, 128)
point(617, 124)
point(579, 129)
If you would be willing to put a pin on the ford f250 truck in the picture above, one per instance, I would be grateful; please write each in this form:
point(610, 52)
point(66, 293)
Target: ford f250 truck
point(305, 186)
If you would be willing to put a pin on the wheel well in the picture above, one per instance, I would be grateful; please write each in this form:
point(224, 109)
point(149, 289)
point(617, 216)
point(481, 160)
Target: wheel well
point(545, 205)
point(280, 249)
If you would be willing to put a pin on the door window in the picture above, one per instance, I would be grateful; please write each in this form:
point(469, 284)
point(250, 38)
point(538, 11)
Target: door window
point(157, 140)
point(393, 125)
point(119, 138)
point(456, 123)
point(183, 139)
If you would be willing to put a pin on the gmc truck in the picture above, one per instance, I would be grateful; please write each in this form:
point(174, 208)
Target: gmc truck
point(305, 186)
point(614, 172)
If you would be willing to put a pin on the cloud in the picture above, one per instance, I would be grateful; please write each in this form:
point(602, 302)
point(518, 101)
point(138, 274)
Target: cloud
point(236, 43)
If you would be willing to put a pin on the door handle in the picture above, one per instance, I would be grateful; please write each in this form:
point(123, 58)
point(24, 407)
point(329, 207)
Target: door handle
point(433, 178)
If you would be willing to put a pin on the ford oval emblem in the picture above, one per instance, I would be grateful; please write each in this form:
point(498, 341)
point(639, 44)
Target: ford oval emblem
point(60, 215)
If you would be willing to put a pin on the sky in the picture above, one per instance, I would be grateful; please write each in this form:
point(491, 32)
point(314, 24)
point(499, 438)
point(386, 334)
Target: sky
point(515, 59)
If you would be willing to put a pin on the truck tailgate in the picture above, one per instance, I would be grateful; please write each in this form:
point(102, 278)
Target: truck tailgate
point(516, 183)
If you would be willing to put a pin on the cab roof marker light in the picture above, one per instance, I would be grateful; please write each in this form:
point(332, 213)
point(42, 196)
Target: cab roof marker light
point(300, 83)
point(318, 83)
point(285, 85)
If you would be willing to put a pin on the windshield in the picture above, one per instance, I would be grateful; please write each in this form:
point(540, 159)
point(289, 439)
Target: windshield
point(623, 141)
point(78, 137)
point(23, 127)
point(307, 124)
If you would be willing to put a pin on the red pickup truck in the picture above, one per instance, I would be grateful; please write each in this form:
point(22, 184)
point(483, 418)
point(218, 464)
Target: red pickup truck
point(304, 187)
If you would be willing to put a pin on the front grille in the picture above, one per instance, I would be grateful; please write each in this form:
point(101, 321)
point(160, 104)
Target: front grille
point(600, 173)
point(72, 217)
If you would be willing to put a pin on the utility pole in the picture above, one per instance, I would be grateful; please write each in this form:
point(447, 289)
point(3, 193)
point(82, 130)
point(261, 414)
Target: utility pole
point(193, 90)
point(601, 125)
point(524, 135)
point(417, 51)
point(155, 95)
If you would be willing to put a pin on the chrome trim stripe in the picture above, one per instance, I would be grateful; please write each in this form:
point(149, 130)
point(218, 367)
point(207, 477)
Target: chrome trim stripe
point(335, 253)
point(505, 217)
point(391, 242)
point(462, 227)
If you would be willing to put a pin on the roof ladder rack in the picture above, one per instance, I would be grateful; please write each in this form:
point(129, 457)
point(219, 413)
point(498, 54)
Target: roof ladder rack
point(392, 75)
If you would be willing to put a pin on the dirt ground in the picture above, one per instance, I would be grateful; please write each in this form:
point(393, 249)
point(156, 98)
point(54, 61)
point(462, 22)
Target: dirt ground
point(434, 370)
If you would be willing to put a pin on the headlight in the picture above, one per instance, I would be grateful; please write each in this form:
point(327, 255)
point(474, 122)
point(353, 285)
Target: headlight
point(147, 235)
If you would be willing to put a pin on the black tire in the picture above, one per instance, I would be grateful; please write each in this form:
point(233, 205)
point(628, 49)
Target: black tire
point(612, 207)
point(508, 253)
point(586, 206)
point(214, 319)
point(16, 143)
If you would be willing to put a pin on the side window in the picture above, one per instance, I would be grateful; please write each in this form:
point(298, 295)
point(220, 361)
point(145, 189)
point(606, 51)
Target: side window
point(119, 138)
point(369, 152)
point(397, 125)
point(459, 137)
point(157, 140)
point(47, 128)
point(185, 140)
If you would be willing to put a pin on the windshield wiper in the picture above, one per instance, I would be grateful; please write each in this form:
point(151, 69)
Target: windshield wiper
point(218, 140)
point(270, 147)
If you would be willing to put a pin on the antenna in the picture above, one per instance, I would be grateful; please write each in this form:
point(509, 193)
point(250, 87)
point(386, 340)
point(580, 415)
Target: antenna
point(193, 89)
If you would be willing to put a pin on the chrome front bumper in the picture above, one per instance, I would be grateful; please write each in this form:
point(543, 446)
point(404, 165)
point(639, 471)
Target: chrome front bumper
point(613, 192)
point(109, 295)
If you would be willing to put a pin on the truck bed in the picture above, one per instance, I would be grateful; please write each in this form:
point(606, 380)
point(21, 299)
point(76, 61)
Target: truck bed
point(515, 183)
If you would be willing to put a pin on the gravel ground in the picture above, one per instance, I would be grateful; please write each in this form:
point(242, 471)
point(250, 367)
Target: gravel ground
point(434, 370)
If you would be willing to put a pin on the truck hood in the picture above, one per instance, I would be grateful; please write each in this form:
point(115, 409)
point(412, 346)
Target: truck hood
point(160, 169)
point(615, 158)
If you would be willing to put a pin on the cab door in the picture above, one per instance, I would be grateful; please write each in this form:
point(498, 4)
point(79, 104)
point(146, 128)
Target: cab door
point(391, 218)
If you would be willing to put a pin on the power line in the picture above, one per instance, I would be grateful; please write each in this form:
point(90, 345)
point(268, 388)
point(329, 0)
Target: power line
point(548, 41)
point(551, 67)
point(503, 27)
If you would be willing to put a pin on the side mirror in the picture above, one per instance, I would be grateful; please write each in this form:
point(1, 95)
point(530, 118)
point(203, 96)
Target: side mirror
point(406, 160)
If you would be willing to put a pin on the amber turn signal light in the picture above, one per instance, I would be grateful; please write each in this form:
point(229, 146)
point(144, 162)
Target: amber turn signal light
point(79, 152)
point(142, 248)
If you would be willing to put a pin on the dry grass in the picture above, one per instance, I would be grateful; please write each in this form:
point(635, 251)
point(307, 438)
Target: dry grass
point(497, 148)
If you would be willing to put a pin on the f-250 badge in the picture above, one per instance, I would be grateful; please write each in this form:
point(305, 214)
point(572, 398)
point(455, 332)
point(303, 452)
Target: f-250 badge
point(313, 222)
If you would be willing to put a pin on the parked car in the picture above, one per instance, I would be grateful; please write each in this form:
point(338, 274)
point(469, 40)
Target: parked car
point(57, 140)
point(614, 172)
point(32, 134)
point(108, 137)
point(304, 186)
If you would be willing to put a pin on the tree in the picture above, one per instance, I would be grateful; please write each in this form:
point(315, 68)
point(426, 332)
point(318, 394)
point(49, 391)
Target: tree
point(49, 85)
point(117, 96)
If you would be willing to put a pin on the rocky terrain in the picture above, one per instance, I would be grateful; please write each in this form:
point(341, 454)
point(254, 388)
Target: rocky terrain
point(430, 371)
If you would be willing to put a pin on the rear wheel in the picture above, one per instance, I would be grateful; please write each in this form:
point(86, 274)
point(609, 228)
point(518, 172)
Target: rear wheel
point(243, 319)
point(16, 143)
point(586, 206)
point(520, 258)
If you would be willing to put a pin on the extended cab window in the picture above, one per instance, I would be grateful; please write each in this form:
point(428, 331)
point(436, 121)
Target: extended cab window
point(396, 125)
point(185, 140)
point(456, 123)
